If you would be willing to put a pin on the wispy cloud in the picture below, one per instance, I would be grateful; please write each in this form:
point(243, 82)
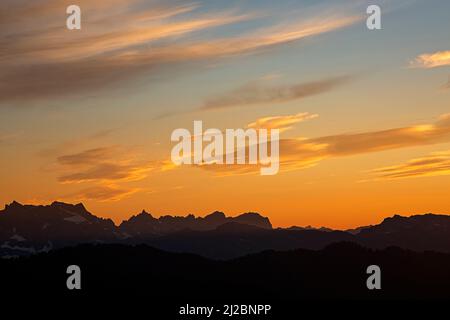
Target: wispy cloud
point(102, 193)
point(103, 164)
point(107, 165)
point(88, 157)
point(107, 172)
point(41, 59)
point(283, 123)
point(260, 93)
point(303, 153)
point(432, 60)
point(435, 164)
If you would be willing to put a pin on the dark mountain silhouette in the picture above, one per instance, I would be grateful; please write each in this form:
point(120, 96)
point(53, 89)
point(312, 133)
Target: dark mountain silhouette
point(418, 232)
point(29, 229)
point(337, 271)
point(357, 229)
point(145, 225)
point(325, 229)
point(233, 240)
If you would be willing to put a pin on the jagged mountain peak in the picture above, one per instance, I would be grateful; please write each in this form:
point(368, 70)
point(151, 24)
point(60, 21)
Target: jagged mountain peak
point(145, 224)
point(139, 219)
point(144, 213)
point(26, 229)
point(255, 219)
point(422, 219)
point(216, 215)
point(64, 204)
point(13, 204)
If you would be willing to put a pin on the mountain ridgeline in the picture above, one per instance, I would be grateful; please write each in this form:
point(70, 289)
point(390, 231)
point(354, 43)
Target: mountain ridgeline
point(30, 229)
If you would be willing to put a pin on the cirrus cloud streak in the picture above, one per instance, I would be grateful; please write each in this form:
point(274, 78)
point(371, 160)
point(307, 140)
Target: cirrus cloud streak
point(435, 164)
point(302, 153)
point(41, 59)
point(259, 93)
point(432, 60)
point(282, 123)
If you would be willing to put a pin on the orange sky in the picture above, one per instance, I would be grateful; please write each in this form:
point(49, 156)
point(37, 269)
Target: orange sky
point(86, 115)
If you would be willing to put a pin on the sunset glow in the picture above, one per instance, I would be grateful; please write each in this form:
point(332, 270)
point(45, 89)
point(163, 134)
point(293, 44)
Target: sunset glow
point(87, 115)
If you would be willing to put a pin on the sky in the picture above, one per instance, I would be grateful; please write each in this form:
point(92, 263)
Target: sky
point(87, 115)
